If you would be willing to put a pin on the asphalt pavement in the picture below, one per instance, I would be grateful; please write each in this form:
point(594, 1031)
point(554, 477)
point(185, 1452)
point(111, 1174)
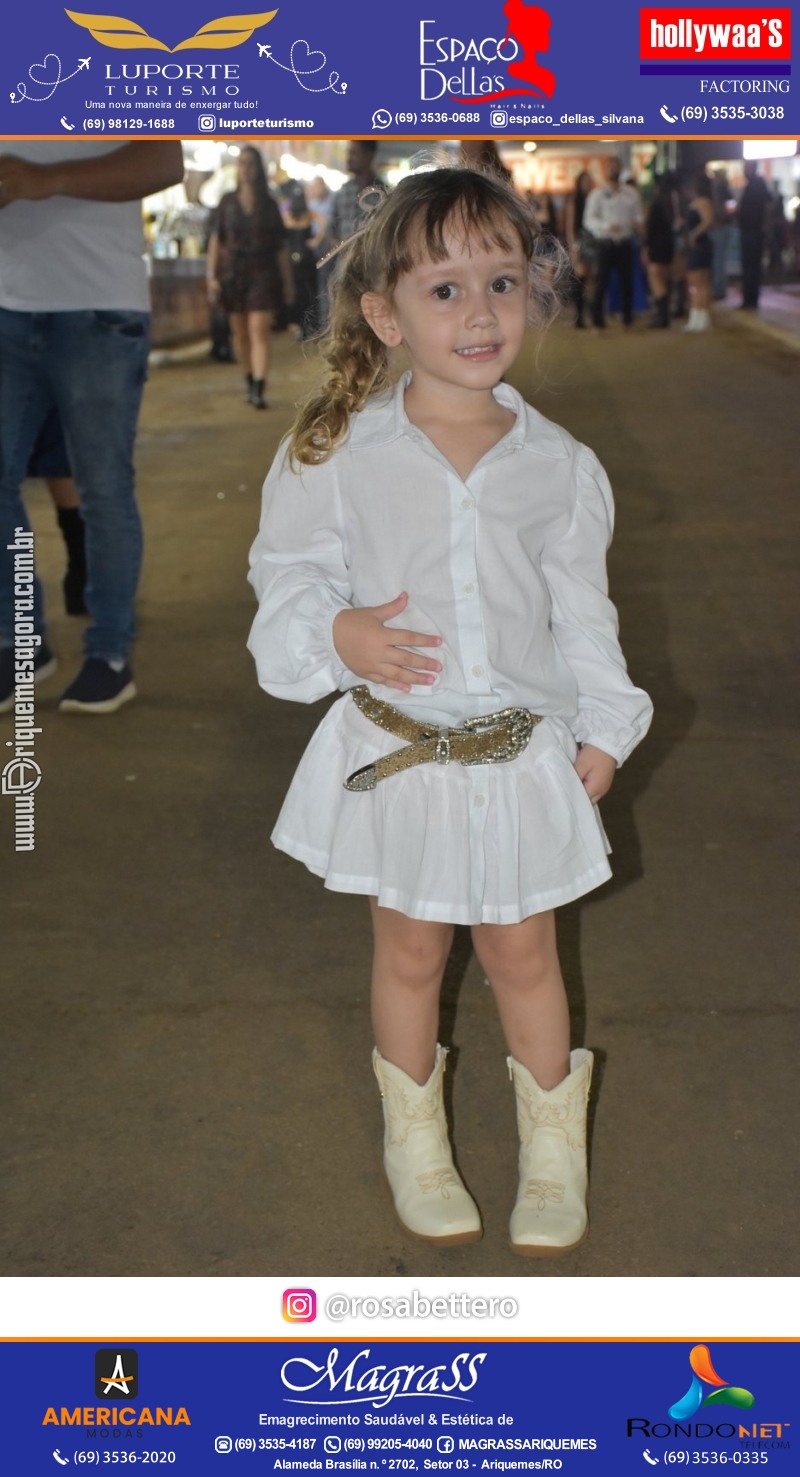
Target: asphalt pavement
point(186, 1047)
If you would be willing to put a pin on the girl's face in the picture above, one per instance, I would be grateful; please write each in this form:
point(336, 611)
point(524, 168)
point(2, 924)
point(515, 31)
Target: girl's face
point(462, 320)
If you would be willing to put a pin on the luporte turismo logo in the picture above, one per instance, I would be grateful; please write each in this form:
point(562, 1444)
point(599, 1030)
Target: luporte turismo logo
point(123, 34)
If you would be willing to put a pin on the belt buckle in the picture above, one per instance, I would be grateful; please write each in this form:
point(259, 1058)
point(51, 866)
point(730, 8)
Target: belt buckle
point(441, 753)
point(519, 724)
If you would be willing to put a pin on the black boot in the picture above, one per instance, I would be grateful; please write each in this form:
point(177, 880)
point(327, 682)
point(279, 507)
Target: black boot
point(248, 394)
point(71, 524)
point(660, 318)
point(257, 396)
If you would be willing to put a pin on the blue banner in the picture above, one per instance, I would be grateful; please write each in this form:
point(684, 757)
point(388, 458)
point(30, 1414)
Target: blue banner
point(391, 1407)
point(428, 68)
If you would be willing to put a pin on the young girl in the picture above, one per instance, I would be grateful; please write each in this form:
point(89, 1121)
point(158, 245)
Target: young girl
point(434, 548)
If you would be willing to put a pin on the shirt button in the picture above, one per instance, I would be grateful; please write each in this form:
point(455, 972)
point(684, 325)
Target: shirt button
point(467, 503)
point(480, 800)
point(477, 671)
point(469, 589)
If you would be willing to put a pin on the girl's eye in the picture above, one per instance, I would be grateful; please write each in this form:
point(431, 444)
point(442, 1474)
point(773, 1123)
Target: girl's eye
point(445, 292)
point(503, 284)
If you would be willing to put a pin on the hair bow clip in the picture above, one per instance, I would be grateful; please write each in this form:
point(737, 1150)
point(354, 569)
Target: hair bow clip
point(369, 200)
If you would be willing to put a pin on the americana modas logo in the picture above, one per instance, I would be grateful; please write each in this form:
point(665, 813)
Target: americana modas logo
point(699, 1394)
point(126, 35)
point(116, 1374)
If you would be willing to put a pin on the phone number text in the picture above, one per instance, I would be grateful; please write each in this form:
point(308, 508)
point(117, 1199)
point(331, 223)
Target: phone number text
point(125, 125)
point(437, 117)
point(105, 1458)
point(697, 1458)
point(698, 112)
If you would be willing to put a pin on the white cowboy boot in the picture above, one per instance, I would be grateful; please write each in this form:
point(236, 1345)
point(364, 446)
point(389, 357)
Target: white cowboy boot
point(550, 1216)
point(429, 1196)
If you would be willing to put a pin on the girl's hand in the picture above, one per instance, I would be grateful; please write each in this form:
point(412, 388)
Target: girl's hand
point(377, 653)
point(596, 770)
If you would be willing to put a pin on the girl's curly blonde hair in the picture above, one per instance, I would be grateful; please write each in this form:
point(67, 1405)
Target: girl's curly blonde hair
point(413, 220)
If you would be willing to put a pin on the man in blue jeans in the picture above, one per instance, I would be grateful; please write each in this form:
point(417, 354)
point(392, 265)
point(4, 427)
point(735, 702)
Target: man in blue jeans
point(74, 320)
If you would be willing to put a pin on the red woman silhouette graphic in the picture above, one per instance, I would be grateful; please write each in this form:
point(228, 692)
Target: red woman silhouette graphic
point(530, 27)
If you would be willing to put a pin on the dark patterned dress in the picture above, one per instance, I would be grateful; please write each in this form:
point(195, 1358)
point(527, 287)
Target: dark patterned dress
point(247, 267)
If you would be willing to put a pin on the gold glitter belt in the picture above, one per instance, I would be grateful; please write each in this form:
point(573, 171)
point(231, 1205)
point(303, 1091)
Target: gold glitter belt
point(492, 739)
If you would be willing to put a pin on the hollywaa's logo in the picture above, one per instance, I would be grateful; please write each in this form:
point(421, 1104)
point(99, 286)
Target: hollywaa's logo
point(527, 35)
point(703, 1374)
point(124, 35)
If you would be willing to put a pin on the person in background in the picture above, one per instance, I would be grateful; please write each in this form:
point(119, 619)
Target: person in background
point(613, 216)
point(751, 215)
point(74, 324)
point(722, 204)
point(699, 221)
point(347, 214)
point(775, 231)
point(248, 269)
point(301, 229)
point(543, 208)
point(49, 460)
point(582, 246)
point(483, 153)
point(659, 247)
point(320, 203)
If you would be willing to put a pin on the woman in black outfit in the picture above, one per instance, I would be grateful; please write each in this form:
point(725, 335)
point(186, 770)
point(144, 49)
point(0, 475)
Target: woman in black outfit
point(699, 220)
point(659, 246)
point(249, 272)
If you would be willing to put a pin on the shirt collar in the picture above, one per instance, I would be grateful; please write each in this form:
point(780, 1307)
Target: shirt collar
point(384, 419)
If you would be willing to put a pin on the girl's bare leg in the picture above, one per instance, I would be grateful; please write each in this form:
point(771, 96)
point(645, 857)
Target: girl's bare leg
point(520, 961)
point(408, 964)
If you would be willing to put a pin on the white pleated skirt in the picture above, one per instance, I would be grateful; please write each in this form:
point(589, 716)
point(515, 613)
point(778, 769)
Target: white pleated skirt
point(489, 843)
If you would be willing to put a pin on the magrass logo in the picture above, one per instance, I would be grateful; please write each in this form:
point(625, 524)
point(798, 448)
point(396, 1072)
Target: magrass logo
point(116, 1374)
point(126, 35)
point(703, 1374)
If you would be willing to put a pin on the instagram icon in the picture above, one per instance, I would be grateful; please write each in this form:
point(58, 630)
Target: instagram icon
point(299, 1305)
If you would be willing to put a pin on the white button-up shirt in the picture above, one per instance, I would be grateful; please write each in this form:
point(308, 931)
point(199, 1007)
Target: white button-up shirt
point(613, 215)
point(507, 566)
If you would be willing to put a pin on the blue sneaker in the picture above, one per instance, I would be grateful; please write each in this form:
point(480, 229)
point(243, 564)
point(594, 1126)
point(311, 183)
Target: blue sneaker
point(98, 689)
point(44, 665)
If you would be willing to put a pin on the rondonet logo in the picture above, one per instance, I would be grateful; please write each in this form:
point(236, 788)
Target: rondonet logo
point(723, 33)
point(126, 35)
point(359, 1382)
point(697, 1395)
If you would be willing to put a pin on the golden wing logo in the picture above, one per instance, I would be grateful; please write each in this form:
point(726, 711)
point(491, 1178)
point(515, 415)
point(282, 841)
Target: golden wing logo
point(125, 35)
